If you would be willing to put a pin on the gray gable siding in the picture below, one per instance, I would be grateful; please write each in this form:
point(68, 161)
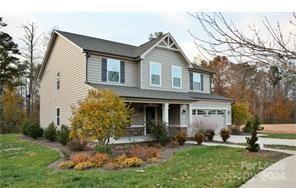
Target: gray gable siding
point(94, 72)
point(167, 59)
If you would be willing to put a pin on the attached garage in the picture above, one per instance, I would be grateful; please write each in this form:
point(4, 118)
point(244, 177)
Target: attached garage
point(209, 114)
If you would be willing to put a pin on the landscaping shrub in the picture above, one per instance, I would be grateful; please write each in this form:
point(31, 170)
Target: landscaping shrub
point(103, 149)
point(84, 165)
point(160, 132)
point(225, 134)
point(77, 144)
point(63, 135)
point(199, 137)
point(248, 127)
point(181, 138)
point(66, 165)
point(50, 132)
point(98, 159)
point(132, 162)
point(34, 130)
point(143, 152)
point(120, 159)
point(153, 160)
point(79, 158)
point(112, 166)
point(251, 141)
point(210, 133)
point(24, 126)
point(66, 154)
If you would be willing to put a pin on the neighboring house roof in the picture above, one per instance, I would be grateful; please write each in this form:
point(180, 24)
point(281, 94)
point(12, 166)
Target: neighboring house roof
point(134, 92)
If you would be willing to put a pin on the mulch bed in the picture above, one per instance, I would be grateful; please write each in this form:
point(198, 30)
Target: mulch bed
point(271, 155)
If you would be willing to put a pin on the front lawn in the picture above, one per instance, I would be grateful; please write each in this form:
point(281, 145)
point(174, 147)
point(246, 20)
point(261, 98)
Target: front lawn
point(24, 164)
point(279, 146)
point(280, 136)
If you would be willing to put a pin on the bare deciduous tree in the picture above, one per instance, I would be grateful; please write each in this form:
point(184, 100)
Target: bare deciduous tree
point(30, 40)
point(277, 49)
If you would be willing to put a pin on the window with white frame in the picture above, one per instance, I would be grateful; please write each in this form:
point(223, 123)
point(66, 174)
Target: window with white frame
point(196, 81)
point(176, 76)
point(155, 74)
point(113, 70)
point(220, 112)
point(211, 112)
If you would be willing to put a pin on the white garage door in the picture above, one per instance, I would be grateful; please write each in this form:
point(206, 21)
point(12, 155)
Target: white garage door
point(208, 118)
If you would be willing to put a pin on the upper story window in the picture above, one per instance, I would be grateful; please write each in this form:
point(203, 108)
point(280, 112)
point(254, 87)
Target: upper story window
point(176, 76)
point(58, 116)
point(155, 74)
point(58, 80)
point(113, 70)
point(196, 81)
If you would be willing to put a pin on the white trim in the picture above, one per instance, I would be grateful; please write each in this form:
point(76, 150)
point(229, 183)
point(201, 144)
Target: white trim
point(150, 80)
point(172, 78)
point(181, 126)
point(136, 126)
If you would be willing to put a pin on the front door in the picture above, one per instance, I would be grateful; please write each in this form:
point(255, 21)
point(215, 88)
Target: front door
point(150, 118)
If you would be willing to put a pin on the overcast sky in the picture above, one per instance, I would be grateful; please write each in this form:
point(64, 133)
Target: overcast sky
point(134, 28)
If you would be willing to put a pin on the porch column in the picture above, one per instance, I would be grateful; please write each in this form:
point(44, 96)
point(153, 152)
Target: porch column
point(189, 114)
point(165, 113)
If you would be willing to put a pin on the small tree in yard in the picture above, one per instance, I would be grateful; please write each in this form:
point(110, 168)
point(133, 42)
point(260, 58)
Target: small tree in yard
point(240, 114)
point(251, 141)
point(101, 115)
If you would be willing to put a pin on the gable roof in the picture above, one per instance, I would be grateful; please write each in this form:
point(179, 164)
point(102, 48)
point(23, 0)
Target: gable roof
point(93, 44)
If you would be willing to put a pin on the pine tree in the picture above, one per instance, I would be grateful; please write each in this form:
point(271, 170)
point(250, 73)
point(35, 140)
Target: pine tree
point(251, 141)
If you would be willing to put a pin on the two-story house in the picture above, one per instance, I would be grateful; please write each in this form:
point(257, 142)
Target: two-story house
point(156, 78)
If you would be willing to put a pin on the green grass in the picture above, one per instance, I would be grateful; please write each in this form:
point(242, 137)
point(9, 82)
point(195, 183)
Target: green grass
point(24, 164)
point(279, 146)
point(280, 136)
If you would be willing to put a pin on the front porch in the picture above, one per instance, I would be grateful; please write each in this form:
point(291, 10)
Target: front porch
point(174, 115)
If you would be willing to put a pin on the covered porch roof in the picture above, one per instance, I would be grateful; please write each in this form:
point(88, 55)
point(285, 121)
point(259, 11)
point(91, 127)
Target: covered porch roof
point(134, 93)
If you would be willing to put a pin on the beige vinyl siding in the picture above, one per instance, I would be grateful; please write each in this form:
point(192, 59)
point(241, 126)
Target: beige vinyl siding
point(167, 58)
point(94, 72)
point(69, 60)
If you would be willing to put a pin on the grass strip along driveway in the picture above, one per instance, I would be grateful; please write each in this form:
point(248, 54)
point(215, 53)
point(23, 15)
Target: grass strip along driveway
point(279, 136)
point(24, 164)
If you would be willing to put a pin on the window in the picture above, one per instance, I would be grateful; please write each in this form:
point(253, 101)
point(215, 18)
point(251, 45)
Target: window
point(58, 116)
point(201, 112)
point(220, 112)
point(193, 112)
point(155, 74)
point(196, 81)
point(176, 76)
point(113, 70)
point(58, 80)
point(211, 112)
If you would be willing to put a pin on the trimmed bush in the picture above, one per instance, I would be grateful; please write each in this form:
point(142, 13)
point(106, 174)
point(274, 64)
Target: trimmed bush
point(24, 126)
point(143, 152)
point(79, 158)
point(199, 137)
point(225, 134)
point(160, 132)
point(66, 165)
point(63, 135)
point(210, 133)
point(76, 144)
point(84, 165)
point(104, 149)
point(34, 130)
point(50, 132)
point(132, 162)
point(181, 138)
point(99, 159)
point(253, 146)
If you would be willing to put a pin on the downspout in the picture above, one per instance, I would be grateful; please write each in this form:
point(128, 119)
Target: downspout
point(86, 66)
